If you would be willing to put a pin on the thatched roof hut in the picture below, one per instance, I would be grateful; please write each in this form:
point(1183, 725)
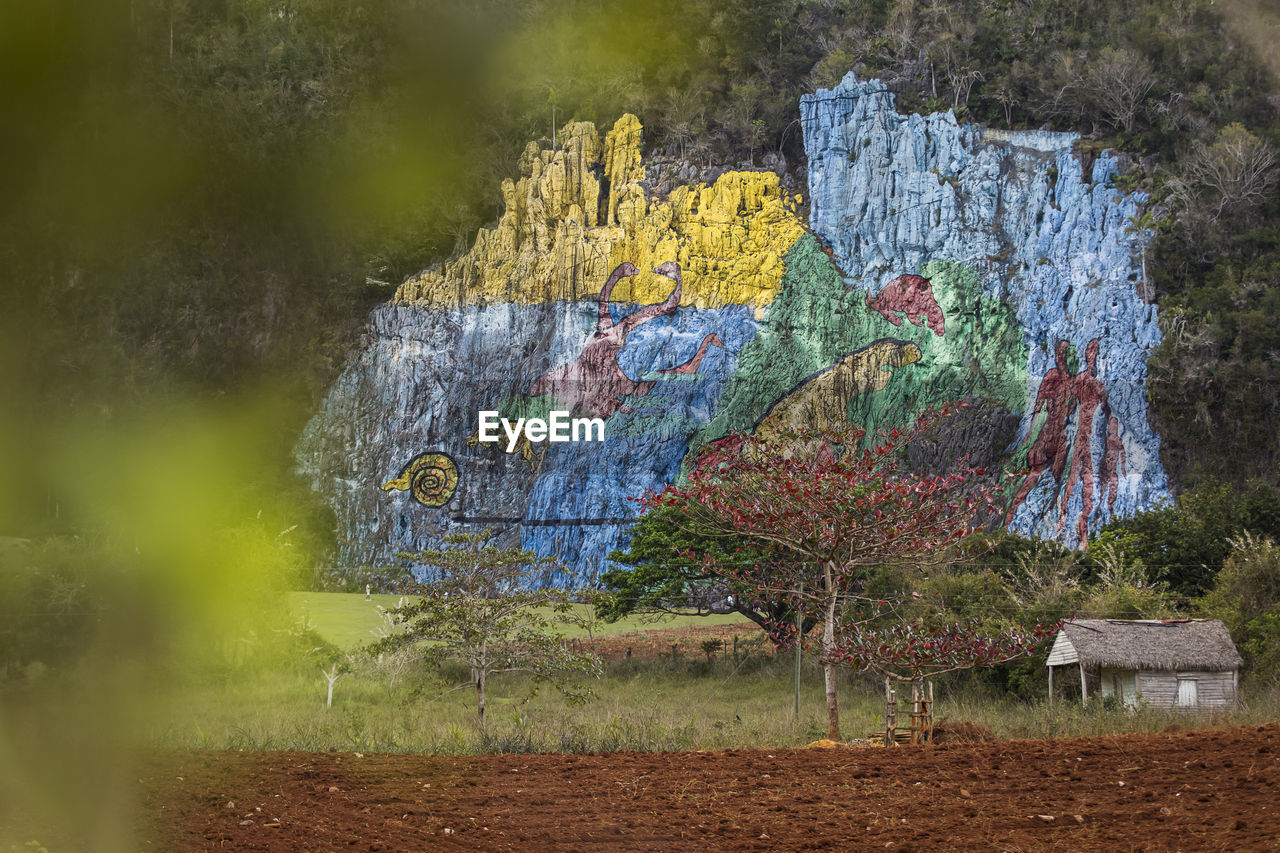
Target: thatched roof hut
point(1169, 662)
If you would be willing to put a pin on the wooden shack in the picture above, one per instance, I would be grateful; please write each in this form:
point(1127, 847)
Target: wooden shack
point(1163, 663)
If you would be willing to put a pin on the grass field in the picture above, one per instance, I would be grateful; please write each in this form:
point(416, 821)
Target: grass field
point(647, 706)
point(347, 620)
point(692, 701)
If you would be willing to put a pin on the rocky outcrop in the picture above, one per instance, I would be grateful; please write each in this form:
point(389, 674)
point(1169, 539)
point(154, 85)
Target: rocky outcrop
point(891, 194)
point(945, 261)
point(502, 328)
point(579, 210)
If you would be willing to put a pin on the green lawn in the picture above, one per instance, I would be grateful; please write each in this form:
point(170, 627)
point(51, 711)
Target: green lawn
point(346, 619)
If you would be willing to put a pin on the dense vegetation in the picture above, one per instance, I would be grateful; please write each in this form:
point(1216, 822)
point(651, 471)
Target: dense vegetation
point(207, 195)
point(1208, 555)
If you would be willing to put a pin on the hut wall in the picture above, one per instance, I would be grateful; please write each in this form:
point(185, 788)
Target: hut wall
point(1121, 683)
point(1213, 689)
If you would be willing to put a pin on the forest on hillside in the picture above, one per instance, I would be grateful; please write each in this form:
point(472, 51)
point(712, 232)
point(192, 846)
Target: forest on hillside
point(204, 197)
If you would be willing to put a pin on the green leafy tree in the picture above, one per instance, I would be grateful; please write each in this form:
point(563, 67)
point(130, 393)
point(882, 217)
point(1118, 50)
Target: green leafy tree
point(664, 571)
point(1246, 597)
point(1185, 544)
point(485, 612)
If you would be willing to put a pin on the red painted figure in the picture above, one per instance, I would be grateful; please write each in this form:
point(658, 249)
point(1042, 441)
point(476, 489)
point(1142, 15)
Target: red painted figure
point(913, 296)
point(1113, 456)
point(1050, 447)
point(1089, 394)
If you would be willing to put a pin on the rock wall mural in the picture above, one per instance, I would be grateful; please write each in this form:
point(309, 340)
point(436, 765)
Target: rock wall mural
point(940, 261)
point(891, 193)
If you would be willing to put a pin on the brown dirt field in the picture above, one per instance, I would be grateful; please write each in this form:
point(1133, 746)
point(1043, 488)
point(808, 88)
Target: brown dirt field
point(1206, 790)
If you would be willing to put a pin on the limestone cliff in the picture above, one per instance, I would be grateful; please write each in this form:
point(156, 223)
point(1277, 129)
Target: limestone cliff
point(949, 261)
point(579, 210)
point(491, 330)
point(893, 194)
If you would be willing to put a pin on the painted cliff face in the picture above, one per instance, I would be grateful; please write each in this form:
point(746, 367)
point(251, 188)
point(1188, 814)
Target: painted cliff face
point(594, 383)
point(890, 193)
point(922, 290)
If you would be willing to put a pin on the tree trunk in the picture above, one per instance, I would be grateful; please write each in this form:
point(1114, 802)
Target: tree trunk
point(479, 679)
point(828, 664)
point(833, 706)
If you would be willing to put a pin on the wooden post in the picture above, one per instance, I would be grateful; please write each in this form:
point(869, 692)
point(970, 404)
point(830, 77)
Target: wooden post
point(799, 643)
point(1084, 688)
point(890, 714)
point(929, 739)
point(1050, 685)
point(916, 716)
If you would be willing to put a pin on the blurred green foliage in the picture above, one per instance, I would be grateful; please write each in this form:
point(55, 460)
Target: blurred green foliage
point(1246, 597)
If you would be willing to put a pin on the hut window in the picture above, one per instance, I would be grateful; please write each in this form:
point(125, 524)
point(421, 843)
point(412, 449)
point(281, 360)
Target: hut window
point(1187, 693)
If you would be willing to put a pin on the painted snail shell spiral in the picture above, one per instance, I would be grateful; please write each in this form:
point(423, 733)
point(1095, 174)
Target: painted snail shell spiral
point(431, 478)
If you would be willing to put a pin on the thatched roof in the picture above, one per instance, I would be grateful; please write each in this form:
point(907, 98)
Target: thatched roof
point(1148, 644)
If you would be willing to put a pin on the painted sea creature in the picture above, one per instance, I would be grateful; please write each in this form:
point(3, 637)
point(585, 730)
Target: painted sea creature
point(821, 401)
point(593, 382)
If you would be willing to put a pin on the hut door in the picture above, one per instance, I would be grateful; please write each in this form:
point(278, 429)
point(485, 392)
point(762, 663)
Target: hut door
point(1187, 693)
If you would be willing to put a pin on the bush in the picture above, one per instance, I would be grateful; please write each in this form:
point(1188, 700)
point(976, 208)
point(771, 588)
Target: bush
point(1246, 597)
point(1185, 545)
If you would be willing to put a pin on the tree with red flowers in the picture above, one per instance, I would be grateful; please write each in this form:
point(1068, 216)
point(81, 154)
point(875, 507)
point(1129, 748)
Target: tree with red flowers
point(838, 508)
point(913, 651)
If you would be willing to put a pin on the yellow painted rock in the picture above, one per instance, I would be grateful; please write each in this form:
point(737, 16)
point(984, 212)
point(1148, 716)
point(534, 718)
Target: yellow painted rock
point(561, 232)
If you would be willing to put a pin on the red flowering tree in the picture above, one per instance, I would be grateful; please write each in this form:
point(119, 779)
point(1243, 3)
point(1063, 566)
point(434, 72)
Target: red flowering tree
point(914, 651)
point(837, 508)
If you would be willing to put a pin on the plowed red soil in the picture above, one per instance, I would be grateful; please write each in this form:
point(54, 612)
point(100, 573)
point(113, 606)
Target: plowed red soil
point(1190, 791)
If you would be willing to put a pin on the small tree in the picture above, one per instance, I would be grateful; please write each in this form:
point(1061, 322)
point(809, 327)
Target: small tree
point(485, 612)
point(665, 572)
point(837, 510)
point(331, 675)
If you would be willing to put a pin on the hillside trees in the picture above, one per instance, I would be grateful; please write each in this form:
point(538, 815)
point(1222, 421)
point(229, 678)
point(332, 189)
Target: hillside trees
point(1246, 597)
point(1229, 179)
point(1184, 545)
point(834, 511)
point(485, 612)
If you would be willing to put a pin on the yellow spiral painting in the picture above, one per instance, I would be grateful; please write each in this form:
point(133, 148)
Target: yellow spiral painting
point(431, 478)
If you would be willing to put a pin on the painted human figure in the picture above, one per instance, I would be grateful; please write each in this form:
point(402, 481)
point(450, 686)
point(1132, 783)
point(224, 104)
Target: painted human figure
point(1050, 447)
point(913, 296)
point(1088, 395)
point(1113, 457)
point(593, 382)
